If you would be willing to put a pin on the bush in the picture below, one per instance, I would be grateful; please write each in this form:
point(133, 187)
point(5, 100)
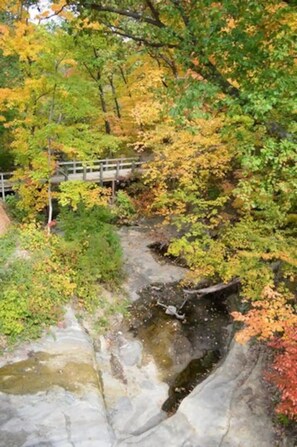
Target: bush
point(18, 213)
point(100, 254)
point(7, 246)
point(13, 209)
point(33, 284)
point(124, 209)
point(47, 271)
point(83, 221)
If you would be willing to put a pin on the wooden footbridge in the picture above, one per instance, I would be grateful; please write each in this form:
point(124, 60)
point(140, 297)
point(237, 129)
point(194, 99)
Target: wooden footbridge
point(99, 171)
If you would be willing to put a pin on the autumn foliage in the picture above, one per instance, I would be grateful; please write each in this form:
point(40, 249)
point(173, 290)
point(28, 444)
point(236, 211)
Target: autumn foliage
point(208, 96)
point(284, 371)
point(274, 319)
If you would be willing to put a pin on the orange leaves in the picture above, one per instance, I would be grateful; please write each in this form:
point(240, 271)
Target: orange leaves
point(4, 30)
point(192, 74)
point(267, 317)
point(58, 6)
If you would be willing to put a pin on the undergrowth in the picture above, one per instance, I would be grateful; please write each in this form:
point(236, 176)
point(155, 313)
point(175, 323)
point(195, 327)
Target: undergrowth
point(40, 273)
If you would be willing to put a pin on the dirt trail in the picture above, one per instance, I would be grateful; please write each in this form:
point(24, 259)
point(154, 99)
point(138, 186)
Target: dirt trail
point(4, 220)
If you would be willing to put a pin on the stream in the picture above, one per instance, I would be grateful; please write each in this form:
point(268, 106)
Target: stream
point(185, 350)
point(150, 380)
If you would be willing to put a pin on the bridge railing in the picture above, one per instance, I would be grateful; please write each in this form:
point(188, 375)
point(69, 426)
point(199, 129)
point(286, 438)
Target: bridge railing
point(96, 170)
point(68, 168)
point(5, 183)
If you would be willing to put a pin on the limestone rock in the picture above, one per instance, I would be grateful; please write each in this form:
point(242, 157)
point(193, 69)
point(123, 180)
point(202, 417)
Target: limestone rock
point(51, 395)
point(228, 409)
point(141, 267)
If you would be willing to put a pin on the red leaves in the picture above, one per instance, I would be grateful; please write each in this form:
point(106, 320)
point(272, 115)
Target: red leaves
point(272, 318)
point(284, 372)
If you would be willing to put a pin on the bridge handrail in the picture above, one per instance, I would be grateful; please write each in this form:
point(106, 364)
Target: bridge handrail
point(99, 161)
point(92, 165)
point(66, 168)
point(6, 174)
point(106, 161)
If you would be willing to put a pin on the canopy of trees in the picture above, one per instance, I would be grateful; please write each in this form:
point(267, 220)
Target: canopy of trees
point(208, 89)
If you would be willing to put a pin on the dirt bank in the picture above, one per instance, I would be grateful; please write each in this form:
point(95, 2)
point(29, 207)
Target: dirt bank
point(4, 219)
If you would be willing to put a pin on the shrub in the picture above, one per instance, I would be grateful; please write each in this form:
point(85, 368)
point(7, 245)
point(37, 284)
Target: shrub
point(83, 221)
point(124, 209)
point(100, 254)
point(33, 288)
point(54, 269)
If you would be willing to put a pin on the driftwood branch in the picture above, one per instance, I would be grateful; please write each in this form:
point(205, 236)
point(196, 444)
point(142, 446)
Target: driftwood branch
point(212, 289)
point(171, 310)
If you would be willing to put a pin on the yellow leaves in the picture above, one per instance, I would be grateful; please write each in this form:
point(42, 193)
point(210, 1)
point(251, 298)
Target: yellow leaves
point(5, 94)
point(140, 105)
point(283, 256)
point(70, 61)
point(181, 154)
point(33, 196)
point(78, 192)
point(146, 113)
point(58, 6)
point(87, 24)
point(12, 6)
point(22, 40)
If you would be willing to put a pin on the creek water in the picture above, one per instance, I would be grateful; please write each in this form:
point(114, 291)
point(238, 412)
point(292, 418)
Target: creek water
point(185, 350)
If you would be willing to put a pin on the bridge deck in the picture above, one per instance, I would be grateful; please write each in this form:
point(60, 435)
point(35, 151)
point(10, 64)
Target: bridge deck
point(99, 171)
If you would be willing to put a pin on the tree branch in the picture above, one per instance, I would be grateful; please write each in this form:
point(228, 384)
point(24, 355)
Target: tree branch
point(120, 32)
point(56, 13)
point(209, 72)
point(90, 72)
point(169, 62)
point(154, 12)
point(127, 13)
point(182, 12)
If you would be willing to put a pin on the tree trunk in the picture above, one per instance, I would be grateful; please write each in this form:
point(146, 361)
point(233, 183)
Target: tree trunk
point(104, 108)
point(125, 80)
point(117, 106)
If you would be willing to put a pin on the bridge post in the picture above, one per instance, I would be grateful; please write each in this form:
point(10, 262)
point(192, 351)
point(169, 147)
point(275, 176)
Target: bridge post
point(85, 173)
point(113, 189)
point(2, 187)
point(74, 167)
point(118, 170)
point(101, 174)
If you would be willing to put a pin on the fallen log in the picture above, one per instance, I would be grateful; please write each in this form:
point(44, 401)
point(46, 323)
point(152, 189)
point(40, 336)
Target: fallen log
point(212, 289)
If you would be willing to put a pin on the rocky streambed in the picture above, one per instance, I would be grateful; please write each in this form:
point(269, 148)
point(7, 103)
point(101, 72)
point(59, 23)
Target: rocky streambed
point(185, 347)
point(153, 379)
